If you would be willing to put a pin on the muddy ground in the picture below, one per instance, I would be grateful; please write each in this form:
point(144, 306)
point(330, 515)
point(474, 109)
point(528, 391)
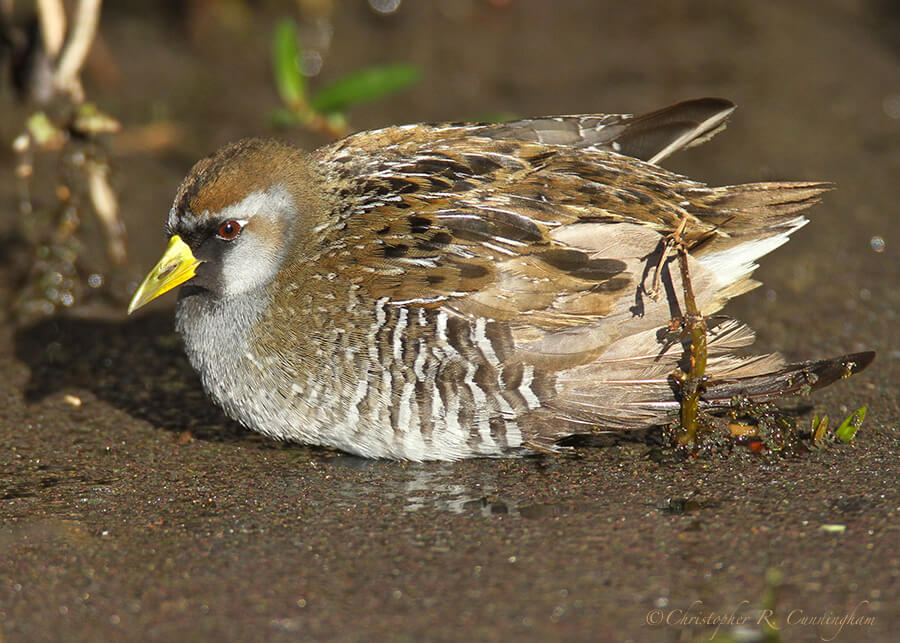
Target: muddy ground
point(144, 514)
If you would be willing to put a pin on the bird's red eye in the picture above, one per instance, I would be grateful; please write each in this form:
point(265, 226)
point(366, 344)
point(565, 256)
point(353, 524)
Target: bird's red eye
point(229, 230)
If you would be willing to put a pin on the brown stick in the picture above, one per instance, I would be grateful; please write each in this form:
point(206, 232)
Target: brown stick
point(692, 381)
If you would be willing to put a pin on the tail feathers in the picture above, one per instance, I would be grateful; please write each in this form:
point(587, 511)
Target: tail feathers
point(631, 386)
point(751, 221)
point(755, 207)
point(733, 259)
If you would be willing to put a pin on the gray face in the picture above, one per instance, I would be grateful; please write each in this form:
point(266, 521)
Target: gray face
point(242, 245)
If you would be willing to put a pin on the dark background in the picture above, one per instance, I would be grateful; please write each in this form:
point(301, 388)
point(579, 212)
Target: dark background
point(144, 514)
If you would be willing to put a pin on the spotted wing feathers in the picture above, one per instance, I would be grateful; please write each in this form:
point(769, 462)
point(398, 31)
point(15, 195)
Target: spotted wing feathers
point(550, 229)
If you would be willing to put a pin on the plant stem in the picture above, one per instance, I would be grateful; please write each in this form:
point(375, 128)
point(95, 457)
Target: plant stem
point(692, 381)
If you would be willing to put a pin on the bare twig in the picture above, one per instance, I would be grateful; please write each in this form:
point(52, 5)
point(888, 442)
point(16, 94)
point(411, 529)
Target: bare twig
point(70, 134)
point(52, 16)
point(84, 28)
point(106, 205)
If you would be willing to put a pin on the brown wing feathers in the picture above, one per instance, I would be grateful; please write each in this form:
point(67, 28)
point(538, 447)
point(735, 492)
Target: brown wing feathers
point(549, 225)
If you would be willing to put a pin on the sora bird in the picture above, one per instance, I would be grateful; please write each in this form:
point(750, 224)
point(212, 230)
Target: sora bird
point(444, 291)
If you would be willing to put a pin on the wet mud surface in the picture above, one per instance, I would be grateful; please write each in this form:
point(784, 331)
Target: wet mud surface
point(130, 508)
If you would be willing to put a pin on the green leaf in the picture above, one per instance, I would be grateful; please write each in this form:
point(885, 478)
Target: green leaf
point(90, 120)
point(289, 78)
point(282, 118)
point(363, 85)
point(848, 428)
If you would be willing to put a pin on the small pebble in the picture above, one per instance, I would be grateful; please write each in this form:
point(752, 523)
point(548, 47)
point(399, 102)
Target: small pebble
point(73, 400)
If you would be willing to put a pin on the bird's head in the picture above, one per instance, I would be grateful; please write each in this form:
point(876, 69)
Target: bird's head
point(233, 221)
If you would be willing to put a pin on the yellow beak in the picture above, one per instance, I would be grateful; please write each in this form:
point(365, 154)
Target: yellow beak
point(177, 265)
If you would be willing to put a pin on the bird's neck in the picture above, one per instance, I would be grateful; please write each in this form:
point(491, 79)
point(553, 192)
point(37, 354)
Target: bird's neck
point(215, 330)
